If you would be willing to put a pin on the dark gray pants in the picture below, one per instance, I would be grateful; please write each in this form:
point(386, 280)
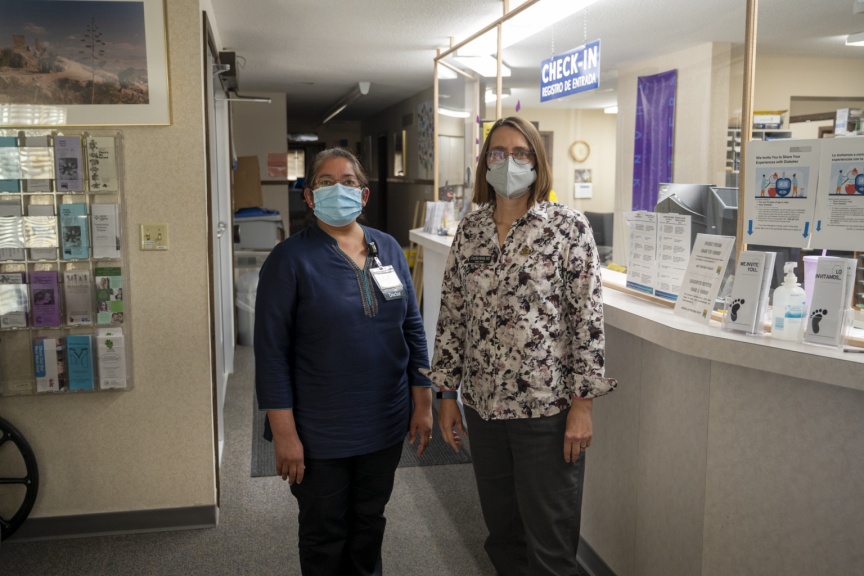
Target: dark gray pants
point(531, 497)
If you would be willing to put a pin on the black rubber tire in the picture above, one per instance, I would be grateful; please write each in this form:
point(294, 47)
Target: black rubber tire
point(9, 433)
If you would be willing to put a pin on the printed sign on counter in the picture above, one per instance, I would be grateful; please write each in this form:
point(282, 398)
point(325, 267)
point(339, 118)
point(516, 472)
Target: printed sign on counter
point(673, 253)
point(780, 197)
point(840, 201)
point(704, 277)
point(570, 73)
point(642, 259)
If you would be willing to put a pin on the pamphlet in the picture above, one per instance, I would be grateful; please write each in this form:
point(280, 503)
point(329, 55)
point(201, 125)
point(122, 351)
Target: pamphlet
point(106, 230)
point(701, 284)
point(832, 296)
point(37, 162)
point(76, 239)
point(642, 255)
point(79, 297)
point(109, 296)
point(780, 198)
point(102, 163)
point(10, 166)
point(49, 358)
point(70, 170)
point(752, 283)
point(46, 300)
point(11, 230)
point(840, 201)
point(13, 300)
point(40, 228)
point(80, 353)
point(673, 253)
point(111, 354)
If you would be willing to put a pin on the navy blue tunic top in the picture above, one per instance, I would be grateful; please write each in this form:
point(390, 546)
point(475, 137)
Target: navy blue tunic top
point(330, 347)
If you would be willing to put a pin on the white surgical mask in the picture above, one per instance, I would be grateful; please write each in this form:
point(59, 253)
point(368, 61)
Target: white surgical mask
point(511, 179)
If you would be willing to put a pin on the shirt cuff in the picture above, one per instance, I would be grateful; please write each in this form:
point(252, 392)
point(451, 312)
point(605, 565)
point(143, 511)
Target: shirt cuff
point(442, 379)
point(586, 387)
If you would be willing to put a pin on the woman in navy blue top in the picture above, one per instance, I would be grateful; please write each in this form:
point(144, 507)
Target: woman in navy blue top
point(337, 360)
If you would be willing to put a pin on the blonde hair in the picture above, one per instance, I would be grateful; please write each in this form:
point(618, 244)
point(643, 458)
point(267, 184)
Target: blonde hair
point(539, 191)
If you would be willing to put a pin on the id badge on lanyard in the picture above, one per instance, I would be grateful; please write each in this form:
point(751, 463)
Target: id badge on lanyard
point(386, 278)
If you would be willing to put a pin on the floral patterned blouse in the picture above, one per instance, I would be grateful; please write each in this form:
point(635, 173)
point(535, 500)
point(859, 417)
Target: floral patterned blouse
point(521, 326)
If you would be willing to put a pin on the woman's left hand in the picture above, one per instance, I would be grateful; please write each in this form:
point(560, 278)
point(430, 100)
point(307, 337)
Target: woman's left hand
point(580, 429)
point(421, 418)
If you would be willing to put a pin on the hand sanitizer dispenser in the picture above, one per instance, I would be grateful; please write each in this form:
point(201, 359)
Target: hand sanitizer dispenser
point(789, 306)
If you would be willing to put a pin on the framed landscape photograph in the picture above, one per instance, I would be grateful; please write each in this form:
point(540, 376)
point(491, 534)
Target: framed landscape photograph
point(83, 63)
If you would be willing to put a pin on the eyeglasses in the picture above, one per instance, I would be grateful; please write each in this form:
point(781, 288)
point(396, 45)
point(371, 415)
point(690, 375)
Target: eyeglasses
point(347, 182)
point(498, 155)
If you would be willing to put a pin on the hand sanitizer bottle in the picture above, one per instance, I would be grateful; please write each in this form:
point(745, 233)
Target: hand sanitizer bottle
point(789, 304)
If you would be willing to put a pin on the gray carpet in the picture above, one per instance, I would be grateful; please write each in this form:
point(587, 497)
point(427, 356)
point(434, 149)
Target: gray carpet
point(434, 523)
point(437, 453)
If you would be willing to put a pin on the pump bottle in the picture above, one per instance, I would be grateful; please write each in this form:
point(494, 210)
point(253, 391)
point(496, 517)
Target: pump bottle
point(790, 302)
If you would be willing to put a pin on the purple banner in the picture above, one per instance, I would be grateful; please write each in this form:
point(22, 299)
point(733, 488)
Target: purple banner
point(655, 137)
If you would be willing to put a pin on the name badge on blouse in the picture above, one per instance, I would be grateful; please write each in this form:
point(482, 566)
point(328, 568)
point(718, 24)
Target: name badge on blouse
point(386, 278)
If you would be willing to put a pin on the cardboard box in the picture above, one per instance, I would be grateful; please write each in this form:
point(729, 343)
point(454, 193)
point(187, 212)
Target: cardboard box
point(247, 184)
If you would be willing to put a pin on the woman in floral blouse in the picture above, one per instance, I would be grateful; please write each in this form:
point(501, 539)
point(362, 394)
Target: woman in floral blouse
point(521, 329)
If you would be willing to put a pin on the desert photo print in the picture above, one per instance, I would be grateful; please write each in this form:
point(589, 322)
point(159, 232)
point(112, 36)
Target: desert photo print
point(72, 52)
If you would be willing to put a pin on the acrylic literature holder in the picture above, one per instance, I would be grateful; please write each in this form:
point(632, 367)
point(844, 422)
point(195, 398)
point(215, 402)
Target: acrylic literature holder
point(56, 240)
point(845, 330)
point(760, 322)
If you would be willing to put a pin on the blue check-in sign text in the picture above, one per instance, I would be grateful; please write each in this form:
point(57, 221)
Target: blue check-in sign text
point(570, 73)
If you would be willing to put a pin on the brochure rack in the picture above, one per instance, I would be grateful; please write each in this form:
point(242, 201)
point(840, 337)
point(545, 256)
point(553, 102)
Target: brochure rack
point(17, 369)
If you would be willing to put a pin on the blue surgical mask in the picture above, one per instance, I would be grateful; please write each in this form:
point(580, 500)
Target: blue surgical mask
point(338, 205)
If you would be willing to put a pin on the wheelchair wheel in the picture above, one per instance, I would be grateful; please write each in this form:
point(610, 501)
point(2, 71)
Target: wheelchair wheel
point(11, 438)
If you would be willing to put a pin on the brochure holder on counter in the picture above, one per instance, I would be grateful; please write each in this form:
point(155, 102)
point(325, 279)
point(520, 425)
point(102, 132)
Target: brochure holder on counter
point(760, 322)
point(845, 331)
point(65, 306)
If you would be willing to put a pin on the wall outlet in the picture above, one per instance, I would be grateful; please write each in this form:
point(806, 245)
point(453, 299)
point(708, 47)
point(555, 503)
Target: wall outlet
point(154, 236)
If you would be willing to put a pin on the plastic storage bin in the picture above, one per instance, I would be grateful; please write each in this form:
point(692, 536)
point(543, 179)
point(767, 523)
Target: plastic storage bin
point(257, 229)
point(247, 289)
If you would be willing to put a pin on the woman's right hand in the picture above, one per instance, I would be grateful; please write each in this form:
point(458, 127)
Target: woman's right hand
point(289, 458)
point(449, 417)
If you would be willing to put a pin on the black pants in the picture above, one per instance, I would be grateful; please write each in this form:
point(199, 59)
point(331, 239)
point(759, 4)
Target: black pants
point(342, 520)
point(531, 498)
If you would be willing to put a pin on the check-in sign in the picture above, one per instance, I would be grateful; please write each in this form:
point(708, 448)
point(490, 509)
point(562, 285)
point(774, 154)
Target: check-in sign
point(570, 73)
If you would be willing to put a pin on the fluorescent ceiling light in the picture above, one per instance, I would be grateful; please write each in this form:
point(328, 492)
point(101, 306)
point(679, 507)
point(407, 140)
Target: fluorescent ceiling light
point(484, 65)
point(361, 89)
point(445, 73)
point(453, 113)
point(532, 20)
point(855, 39)
point(611, 110)
point(492, 97)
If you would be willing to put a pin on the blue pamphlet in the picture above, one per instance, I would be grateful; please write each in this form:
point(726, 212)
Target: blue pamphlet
point(74, 232)
point(80, 360)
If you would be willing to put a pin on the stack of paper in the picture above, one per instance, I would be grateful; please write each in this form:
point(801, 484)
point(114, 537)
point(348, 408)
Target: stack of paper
point(673, 253)
point(750, 291)
point(642, 255)
point(832, 297)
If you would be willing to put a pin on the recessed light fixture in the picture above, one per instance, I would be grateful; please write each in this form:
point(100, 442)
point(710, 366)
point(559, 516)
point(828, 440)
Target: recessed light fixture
point(453, 113)
point(611, 110)
point(855, 39)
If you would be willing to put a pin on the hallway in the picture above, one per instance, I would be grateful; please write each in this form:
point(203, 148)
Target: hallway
point(432, 529)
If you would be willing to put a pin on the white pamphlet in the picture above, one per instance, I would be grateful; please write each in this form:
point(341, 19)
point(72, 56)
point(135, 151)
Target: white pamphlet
point(70, 170)
point(78, 288)
point(37, 163)
point(10, 164)
point(780, 192)
point(106, 230)
point(102, 164)
point(13, 300)
point(708, 261)
point(832, 296)
point(642, 253)
point(11, 231)
point(752, 282)
point(840, 200)
point(111, 358)
point(673, 253)
point(41, 231)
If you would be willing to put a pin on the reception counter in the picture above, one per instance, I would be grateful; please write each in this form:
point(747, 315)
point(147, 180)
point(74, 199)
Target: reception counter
point(719, 453)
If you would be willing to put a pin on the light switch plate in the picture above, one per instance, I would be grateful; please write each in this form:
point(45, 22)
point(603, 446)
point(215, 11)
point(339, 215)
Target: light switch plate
point(154, 236)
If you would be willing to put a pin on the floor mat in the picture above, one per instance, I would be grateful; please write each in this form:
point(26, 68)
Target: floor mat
point(438, 452)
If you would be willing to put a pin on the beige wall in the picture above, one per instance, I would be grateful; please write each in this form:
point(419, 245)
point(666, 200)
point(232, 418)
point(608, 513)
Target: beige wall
point(808, 130)
point(152, 446)
point(778, 79)
point(592, 126)
point(260, 129)
point(701, 118)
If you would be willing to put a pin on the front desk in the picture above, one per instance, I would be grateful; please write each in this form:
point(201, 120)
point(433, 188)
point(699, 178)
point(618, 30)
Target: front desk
point(719, 453)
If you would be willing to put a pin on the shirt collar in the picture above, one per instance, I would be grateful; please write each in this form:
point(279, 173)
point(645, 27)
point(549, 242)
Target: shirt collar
point(538, 209)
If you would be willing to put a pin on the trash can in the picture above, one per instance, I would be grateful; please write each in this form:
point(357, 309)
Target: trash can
point(247, 288)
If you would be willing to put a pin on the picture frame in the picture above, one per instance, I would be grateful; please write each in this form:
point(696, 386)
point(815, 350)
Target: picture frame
point(84, 63)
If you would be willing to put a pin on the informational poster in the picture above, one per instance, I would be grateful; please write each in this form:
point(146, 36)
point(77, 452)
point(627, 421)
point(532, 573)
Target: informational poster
point(277, 165)
point(840, 199)
point(642, 253)
point(673, 253)
point(70, 168)
point(704, 276)
point(425, 137)
point(780, 199)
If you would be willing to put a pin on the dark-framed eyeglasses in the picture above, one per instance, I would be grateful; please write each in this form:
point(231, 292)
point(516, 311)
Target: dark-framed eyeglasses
point(493, 156)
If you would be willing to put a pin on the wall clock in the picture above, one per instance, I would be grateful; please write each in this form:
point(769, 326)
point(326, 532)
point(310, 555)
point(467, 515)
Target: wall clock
point(580, 151)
